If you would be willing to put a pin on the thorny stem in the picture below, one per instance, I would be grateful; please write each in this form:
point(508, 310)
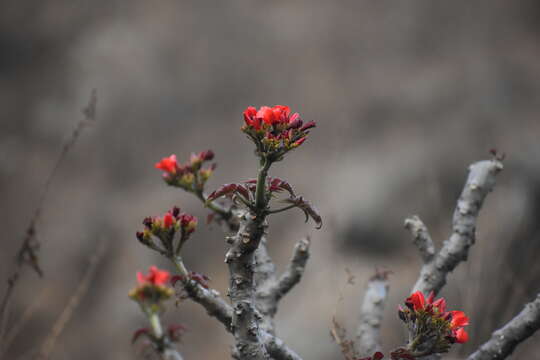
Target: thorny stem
point(249, 342)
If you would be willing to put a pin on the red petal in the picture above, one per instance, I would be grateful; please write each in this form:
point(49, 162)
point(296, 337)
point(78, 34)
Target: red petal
point(266, 114)
point(440, 304)
point(418, 300)
point(461, 336)
point(167, 164)
point(158, 277)
point(168, 220)
point(459, 319)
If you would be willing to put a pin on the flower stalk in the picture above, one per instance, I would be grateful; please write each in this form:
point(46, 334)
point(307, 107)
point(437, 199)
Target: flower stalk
point(260, 192)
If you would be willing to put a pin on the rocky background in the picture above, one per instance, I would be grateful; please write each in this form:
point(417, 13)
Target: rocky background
point(406, 95)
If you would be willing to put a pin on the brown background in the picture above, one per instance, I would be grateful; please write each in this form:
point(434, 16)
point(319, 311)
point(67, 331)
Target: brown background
point(406, 95)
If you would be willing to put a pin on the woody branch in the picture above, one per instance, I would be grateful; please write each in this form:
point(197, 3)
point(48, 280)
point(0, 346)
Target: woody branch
point(371, 314)
point(435, 270)
point(503, 341)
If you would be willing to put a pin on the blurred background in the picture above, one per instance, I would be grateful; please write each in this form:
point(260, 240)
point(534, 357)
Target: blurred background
point(405, 94)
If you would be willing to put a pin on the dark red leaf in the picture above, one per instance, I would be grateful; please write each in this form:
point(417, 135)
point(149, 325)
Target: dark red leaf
point(175, 279)
point(277, 184)
point(223, 190)
point(242, 190)
point(140, 332)
point(307, 208)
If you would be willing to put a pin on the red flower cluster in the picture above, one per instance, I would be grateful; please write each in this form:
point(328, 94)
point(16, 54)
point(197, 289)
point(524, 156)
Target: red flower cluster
point(274, 129)
point(154, 277)
point(432, 329)
point(164, 228)
point(456, 319)
point(189, 176)
point(172, 219)
point(152, 287)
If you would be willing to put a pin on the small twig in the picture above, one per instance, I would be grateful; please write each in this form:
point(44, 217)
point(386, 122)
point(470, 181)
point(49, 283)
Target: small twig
point(210, 299)
point(218, 308)
point(504, 341)
point(264, 276)
point(293, 274)
point(269, 288)
point(27, 253)
point(24, 318)
point(371, 314)
point(421, 236)
point(339, 335)
point(480, 182)
point(78, 295)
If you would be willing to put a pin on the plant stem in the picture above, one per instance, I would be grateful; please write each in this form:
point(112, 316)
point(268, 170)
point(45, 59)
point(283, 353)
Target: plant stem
point(217, 209)
point(156, 324)
point(177, 260)
point(260, 191)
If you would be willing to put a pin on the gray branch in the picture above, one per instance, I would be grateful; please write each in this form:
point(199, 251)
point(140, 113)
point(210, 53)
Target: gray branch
point(480, 182)
point(293, 274)
point(277, 349)
point(240, 259)
point(218, 308)
point(265, 277)
point(270, 288)
point(171, 354)
point(504, 341)
point(210, 299)
point(421, 237)
point(371, 314)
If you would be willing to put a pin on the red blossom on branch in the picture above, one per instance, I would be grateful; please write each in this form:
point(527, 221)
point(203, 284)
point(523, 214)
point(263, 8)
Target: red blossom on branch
point(188, 222)
point(154, 277)
point(432, 328)
point(168, 164)
point(274, 130)
point(189, 176)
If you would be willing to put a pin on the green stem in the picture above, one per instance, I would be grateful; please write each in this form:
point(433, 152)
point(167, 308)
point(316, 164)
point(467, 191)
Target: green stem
point(156, 324)
point(217, 209)
point(179, 264)
point(260, 191)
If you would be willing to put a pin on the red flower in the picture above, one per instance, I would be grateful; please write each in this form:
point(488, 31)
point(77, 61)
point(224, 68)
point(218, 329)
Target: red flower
point(416, 300)
point(266, 114)
point(188, 222)
point(275, 129)
point(461, 336)
point(459, 319)
point(168, 164)
point(440, 304)
point(250, 117)
point(168, 220)
point(154, 277)
point(279, 114)
point(206, 155)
